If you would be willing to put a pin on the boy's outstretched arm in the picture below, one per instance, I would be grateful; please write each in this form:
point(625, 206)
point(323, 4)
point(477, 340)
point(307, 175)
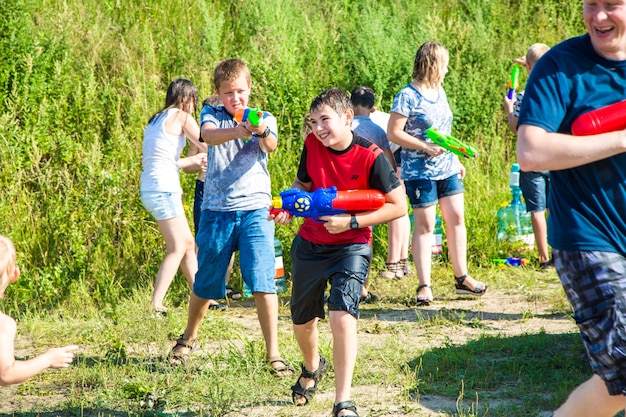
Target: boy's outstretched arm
point(214, 135)
point(14, 372)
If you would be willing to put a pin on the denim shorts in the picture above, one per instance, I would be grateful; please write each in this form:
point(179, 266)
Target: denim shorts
point(163, 206)
point(595, 285)
point(535, 186)
point(425, 193)
point(345, 267)
point(219, 235)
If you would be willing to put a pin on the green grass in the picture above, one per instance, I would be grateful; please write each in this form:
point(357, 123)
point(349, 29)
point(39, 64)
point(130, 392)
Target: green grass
point(76, 98)
point(79, 80)
point(450, 351)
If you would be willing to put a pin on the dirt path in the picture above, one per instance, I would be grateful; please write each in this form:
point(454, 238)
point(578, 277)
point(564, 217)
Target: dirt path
point(497, 314)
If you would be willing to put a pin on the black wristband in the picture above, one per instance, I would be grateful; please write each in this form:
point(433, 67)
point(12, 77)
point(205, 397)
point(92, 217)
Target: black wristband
point(265, 134)
point(354, 224)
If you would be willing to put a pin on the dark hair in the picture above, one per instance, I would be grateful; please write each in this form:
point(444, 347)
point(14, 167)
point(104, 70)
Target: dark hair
point(230, 70)
point(335, 98)
point(179, 93)
point(363, 96)
point(213, 100)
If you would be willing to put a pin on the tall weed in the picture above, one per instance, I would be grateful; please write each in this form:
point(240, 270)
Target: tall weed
point(79, 79)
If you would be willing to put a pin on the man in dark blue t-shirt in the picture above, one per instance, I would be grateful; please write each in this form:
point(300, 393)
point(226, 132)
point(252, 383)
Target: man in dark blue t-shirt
point(587, 200)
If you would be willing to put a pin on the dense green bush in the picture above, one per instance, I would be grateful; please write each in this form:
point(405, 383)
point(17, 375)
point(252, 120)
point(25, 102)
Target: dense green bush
point(79, 79)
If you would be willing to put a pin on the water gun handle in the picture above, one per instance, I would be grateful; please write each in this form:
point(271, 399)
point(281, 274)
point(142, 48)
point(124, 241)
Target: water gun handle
point(244, 114)
point(513, 82)
point(609, 118)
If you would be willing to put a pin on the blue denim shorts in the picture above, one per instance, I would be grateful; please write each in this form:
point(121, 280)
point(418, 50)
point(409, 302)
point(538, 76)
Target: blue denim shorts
point(163, 206)
point(595, 285)
point(345, 267)
point(535, 186)
point(223, 232)
point(425, 193)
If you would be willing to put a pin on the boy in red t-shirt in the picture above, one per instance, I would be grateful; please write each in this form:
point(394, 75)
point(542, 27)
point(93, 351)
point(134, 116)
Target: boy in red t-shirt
point(336, 248)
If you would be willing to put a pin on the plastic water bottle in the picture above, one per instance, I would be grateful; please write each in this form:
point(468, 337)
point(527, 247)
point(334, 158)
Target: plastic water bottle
point(437, 246)
point(246, 291)
point(514, 223)
point(279, 275)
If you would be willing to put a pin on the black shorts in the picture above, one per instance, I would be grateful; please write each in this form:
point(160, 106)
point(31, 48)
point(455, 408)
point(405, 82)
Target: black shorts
point(345, 267)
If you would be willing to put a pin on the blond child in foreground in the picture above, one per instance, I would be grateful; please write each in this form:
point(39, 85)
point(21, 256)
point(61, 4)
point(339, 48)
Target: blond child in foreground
point(13, 371)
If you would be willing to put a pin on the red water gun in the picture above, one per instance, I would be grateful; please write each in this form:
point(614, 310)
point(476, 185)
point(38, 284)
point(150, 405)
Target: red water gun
point(605, 119)
point(326, 202)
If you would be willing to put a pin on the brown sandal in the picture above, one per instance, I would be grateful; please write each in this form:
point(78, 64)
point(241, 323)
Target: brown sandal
point(177, 356)
point(283, 369)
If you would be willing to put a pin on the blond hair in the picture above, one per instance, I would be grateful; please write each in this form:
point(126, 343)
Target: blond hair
point(429, 62)
point(535, 52)
point(7, 262)
point(230, 70)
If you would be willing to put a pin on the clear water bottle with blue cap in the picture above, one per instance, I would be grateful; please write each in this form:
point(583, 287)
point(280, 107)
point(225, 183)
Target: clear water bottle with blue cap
point(514, 223)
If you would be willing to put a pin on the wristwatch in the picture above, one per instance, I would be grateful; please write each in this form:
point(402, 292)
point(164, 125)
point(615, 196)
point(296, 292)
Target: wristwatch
point(265, 134)
point(353, 223)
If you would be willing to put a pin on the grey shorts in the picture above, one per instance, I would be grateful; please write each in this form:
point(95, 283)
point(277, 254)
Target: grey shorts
point(595, 285)
point(345, 267)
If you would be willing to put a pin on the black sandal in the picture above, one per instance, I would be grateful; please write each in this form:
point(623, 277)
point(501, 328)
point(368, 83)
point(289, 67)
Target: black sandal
point(345, 405)
point(217, 306)
point(462, 289)
point(232, 294)
point(423, 300)
point(316, 376)
point(179, 358)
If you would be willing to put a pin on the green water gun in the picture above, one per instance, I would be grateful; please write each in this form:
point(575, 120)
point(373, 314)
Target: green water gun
point(513, 82)
point(254, 115)
point(450, 143)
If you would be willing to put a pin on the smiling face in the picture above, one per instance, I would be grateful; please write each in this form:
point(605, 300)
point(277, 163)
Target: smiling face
point(606, 23)
point(331, 128)
point(234, 93)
